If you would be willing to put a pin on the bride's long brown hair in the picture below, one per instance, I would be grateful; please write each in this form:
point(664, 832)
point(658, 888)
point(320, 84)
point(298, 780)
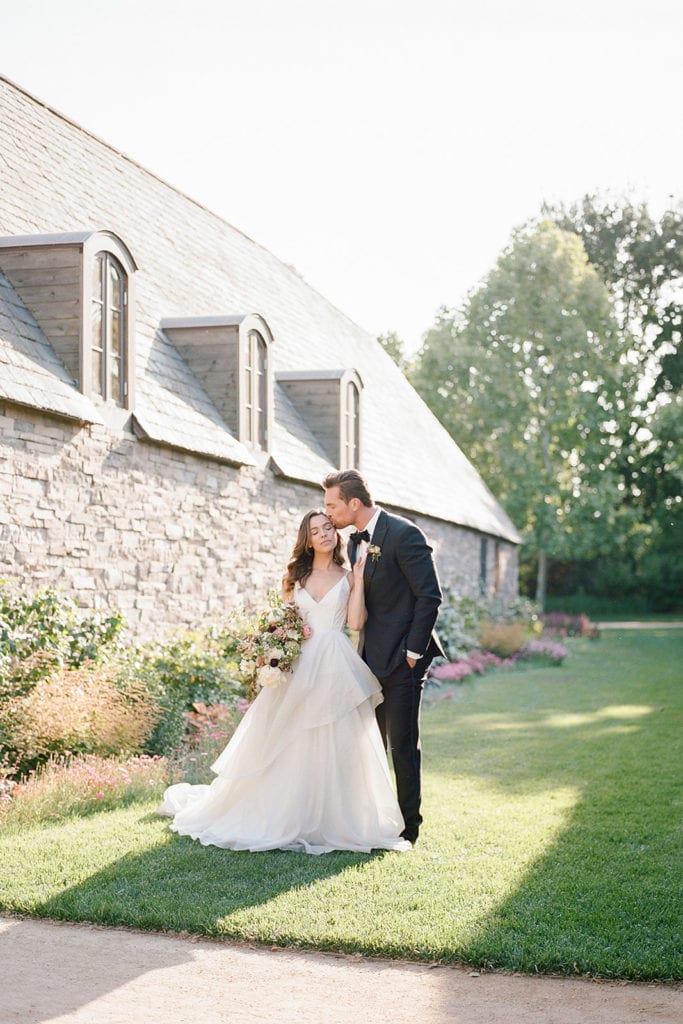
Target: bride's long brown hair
point(301, 561)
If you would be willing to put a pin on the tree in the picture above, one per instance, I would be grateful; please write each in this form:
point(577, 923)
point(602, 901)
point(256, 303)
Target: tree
point(393, 346)
point(529, 378)
point(640, 260)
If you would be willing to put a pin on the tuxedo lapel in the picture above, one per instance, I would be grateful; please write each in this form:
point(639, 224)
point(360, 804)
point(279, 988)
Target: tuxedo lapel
point(378, 536)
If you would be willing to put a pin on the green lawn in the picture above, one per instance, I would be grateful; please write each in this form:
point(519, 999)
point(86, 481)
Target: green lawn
point(552, 802)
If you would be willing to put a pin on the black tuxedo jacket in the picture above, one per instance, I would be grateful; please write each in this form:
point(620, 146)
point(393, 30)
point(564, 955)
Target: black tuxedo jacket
point(402, 595)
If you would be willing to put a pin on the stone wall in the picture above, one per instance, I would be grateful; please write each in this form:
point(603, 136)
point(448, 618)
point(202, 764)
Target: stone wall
point(167, 537)
point(458, 557)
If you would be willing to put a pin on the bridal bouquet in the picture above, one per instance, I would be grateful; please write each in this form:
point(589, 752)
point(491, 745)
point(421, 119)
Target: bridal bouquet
point(268, 652)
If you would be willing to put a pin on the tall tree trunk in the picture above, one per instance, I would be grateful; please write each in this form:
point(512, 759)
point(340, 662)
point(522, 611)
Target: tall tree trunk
point(541, 579)
point(542, 535)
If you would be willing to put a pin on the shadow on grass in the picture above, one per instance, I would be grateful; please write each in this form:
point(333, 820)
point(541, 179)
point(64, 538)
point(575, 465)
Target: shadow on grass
point(175, 885)
point(179, 885)
point(604, 896)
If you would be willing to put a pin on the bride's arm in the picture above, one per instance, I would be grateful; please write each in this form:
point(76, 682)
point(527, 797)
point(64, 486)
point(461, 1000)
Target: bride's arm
point(357, 613)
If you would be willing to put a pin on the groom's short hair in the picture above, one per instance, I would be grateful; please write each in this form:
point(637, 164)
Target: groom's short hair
point(351, 485)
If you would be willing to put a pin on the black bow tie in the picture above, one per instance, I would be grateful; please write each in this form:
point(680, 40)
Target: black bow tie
point(358, 535)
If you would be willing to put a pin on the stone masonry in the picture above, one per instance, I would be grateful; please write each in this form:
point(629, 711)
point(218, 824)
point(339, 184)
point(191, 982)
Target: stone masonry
point(167, 537)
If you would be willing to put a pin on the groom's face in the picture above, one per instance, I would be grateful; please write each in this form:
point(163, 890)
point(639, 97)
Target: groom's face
point(339, 512)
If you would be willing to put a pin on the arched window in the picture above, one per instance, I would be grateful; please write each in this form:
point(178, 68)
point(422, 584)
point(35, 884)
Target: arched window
point(256, 391)
point(109, 298)
point(351, 426)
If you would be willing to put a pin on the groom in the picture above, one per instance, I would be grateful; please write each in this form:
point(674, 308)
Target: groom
point(402, 597)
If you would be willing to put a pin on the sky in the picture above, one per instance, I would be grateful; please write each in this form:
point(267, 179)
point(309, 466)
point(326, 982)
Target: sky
point(384, 148)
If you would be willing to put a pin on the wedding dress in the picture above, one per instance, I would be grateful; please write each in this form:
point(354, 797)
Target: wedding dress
point(305, 769)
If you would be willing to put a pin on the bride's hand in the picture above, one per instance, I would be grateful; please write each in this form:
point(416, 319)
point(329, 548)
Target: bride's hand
point(359, 566)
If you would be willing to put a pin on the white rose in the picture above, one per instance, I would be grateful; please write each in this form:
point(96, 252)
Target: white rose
point(269, 676)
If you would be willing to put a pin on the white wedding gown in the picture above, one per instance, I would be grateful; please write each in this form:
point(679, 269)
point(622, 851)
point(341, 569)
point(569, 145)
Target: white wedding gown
point(305, 769)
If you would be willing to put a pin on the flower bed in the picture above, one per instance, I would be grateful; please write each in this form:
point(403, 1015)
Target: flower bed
point(564, 624)
point(536, 651)
point(67, 785)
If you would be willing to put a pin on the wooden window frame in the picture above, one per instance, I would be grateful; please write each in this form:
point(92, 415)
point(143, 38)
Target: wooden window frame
point(255, 383)
point(350, 420)
point(351, 425)
point(110, 306)
point(108, 249)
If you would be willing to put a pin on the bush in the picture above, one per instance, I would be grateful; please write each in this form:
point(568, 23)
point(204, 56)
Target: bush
point(502, 638)
point(504, 623)
point(458, 623)
point(83, 710)
point(661, 577)
point(566, 624)
point(475, 663)
point(543, 651)
point(195, 668)
point(46, 631)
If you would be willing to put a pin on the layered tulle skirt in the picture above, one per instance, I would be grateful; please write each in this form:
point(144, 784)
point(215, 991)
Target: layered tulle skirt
point(305, 770)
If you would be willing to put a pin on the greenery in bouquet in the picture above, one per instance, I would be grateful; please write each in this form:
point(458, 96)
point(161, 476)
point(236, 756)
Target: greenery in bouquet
point(268, 650)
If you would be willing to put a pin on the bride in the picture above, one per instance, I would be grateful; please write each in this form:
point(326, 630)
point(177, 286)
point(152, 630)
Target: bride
point(306, 769)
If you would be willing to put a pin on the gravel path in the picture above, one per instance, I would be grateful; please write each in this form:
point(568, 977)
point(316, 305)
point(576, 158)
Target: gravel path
point(81, 974)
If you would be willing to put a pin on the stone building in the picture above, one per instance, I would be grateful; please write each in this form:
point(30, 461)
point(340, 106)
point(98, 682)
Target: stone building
point(171, 395)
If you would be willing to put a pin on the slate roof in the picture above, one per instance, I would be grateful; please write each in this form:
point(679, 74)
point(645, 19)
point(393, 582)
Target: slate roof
point(58, 177)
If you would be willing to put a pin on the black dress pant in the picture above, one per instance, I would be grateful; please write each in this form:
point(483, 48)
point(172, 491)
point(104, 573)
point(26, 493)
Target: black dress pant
point(398, 717)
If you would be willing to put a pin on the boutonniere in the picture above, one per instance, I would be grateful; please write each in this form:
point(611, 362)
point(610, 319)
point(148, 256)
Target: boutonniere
point(374, 551)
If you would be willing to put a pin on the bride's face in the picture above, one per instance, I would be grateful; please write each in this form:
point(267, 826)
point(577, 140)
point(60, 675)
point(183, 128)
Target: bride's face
point(322, 536)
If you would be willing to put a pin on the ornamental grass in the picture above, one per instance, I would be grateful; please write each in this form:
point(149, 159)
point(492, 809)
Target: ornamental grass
point(78, 710)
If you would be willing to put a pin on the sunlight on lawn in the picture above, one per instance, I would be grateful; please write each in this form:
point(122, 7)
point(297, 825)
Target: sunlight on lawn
point(478, 846)
point(569, 720)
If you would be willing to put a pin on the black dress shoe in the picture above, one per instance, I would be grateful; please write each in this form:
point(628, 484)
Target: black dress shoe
point(410, 834)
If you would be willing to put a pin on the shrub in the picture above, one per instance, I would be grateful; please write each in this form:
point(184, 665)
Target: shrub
point(502, 638)
point(520, 609)
point(565, 624)
point(543, 651)
point(77, 710)
point(458, 623)
point(196, 667)
point(45, 631)
point(661, 577)
point(67, 785)
point(461, 620)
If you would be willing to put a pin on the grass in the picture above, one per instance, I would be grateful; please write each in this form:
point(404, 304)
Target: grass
point(550, 841)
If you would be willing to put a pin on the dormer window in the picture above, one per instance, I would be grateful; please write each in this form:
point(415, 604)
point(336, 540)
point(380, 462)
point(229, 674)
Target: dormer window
point(108, 328)
point(230, 356)
point(329, 402)
point(79, 288)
